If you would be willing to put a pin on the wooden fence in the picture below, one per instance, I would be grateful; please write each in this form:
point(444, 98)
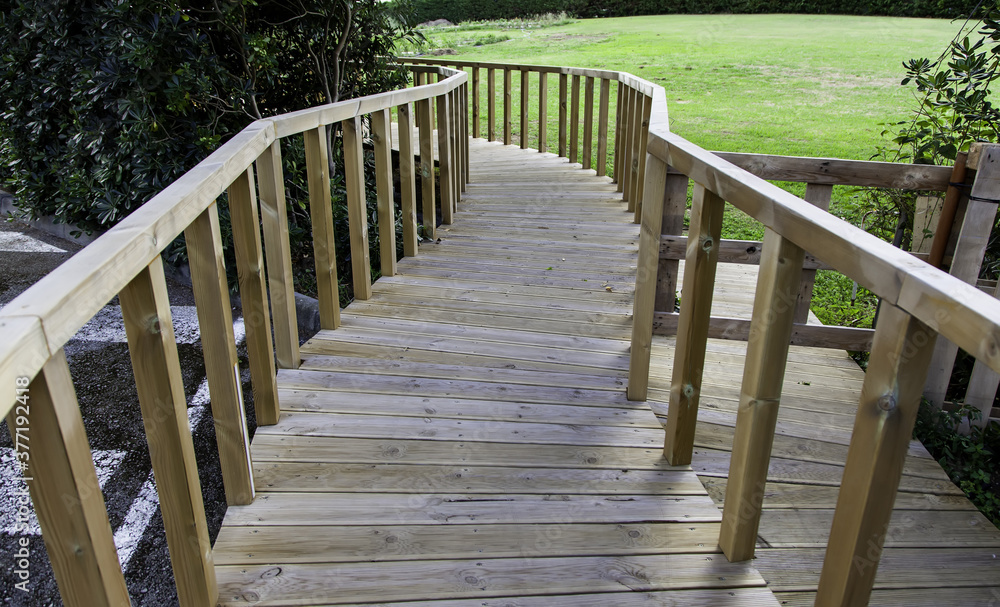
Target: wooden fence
point(39, 399)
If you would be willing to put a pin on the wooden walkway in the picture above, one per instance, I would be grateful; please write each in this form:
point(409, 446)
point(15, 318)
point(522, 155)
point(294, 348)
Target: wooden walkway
point(464, 438)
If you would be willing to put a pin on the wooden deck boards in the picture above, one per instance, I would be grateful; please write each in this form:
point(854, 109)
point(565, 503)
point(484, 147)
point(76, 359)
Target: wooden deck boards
point(464, 438)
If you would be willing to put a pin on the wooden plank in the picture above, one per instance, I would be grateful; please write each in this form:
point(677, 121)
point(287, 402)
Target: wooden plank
point(491, 104)
point(211, 295)
point(834, 171)
point(588, 124)
point(619, 158)
point(563, 107)
point(886, 414)
point(429, 222)
point(983, 384)
point(253, 297)
point(475, 103)
point(445, 161)
point(819, 195)
point(927, 211)
point(476, 579)
point(643, 132)
point(64, 490)
point(280, 280)
point(602, 127)
point(321, 213)
point(357, 204)
point(524, 108)
point(574, 121)
point(408, 180)
point(645, 283)
point(383, 190)
point(980, 215)
point(25, 353)
point(674, 207)
point(815, 336)
point(699, 282)
point(628, 150)
point(153, 352)
point(543, 110)
point(760, 395)
point(731, 251)
point(508, 102)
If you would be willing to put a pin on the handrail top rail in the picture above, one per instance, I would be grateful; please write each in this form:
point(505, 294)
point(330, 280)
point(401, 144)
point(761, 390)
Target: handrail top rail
point(958, 311)
point(40, 321)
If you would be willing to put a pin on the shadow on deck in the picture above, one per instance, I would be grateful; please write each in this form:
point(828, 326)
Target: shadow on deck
point(465, 435)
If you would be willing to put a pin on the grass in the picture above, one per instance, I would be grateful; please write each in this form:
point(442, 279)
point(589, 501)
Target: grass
point(800, 85)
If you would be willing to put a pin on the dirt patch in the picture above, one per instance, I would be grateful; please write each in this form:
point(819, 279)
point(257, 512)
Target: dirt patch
point(580, 37)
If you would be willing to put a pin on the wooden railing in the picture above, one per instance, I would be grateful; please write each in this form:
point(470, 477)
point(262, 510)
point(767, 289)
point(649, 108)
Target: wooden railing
point(918, 303)
point(39, 399)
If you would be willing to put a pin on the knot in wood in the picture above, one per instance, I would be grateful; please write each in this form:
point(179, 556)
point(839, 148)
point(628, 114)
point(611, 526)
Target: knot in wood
point(688, 390)
point(887, 402)
point(707, 244)
point(153, 325)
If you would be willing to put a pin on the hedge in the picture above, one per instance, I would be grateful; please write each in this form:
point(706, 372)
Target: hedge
point(475, 10)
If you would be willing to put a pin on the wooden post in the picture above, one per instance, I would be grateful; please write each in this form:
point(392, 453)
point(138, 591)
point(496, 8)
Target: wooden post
point(357, 207)
point(645, 283)
point(619, 126)
point(64, 489)
point(543, 109)
point(153, 350)
point(673, 225)
point(407, 180)
point(760, 394)
point(692, 326)
point(454, 125)
point(253, 296)
point(280, 282)
point(563, 101)
point(638, 103)
point(980, 215)
point(643, 133)
point(602, 128)
point(628, 134)
point(588, 123)
point(444, 154)
point(819, 195)
point(508, 101)
point(211, 296)
point(423, 108)
point(475, 102)
point(574, 121)
point(491, 119)
point(465, 141)
point(383, 190)
point(983, 384)
point(525, 75)
point(883, 426)
point(321, 213)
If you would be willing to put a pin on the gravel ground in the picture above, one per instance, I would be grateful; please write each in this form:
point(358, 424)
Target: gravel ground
point(99, 361)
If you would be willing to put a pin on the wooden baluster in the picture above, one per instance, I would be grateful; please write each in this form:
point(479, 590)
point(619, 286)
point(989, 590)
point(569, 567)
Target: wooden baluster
point(456, 155)
point(446, 180)
point(588, 123)
point(890, 397)
point(643, 131)
point(574, 121)
point(491, 116)
point(563, 106)
point(636, 146)
point(819, 195)
point(274, 216)
point(253, 296)
point(321, 214)
point(465, 142)
point(645, 284)
point(602, 128)
point(692, 329)
point(619, 160)
point(64, 489)
point(211, 295)
point(507, 103)
point(160, 386)
point(525, 75)
point(983, 384)
point(475, 102)
point(628, 134)
point(980, 215)
point(543, 109)
point(760, 394)
point(384, 193)
point(407, 180)
point(672, 225)
point(423, 110)
point(357, 207)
